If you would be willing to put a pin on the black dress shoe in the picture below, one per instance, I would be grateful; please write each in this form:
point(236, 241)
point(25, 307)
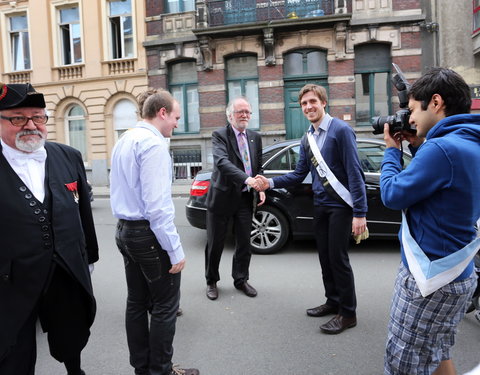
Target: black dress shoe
point(338, 324)
point(322, 310)
point(212, 291)
point(247, 289)
point(184, 371)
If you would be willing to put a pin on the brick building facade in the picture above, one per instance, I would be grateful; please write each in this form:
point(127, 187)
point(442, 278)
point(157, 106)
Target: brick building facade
point(267, 50)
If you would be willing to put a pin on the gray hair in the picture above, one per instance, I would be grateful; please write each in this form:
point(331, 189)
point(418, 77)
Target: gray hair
point(229, 110)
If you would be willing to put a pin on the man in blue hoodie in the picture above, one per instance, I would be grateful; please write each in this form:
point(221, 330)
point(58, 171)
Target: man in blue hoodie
point(439, 194)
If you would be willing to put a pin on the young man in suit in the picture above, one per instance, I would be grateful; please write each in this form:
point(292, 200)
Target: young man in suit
point(237, 157)
point(339, 209)
point(47, 237)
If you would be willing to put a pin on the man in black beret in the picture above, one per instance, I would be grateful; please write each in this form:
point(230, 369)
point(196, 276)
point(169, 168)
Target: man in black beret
point(47, 236)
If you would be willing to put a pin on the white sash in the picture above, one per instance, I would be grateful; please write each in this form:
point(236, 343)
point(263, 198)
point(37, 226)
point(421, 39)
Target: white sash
point(325, 172)
point(432, 275)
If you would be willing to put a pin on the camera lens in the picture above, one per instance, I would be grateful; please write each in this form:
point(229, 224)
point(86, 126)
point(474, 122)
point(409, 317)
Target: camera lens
point(379, 122)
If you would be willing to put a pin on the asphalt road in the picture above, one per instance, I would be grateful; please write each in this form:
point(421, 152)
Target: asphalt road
point(269, 334)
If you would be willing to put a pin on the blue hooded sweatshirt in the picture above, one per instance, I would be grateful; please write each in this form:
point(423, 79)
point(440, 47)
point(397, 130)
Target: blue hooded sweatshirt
point(440, 187)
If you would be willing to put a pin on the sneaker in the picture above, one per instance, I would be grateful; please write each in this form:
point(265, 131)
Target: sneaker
point(184, 371)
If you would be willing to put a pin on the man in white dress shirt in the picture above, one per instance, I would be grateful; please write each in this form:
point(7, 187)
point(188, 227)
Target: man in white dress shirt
point(140, 191)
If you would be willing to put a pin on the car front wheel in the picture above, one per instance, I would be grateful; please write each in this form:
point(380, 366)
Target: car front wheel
point(269, 230)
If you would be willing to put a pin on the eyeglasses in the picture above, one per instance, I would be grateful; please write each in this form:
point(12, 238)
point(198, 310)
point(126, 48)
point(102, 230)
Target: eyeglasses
point(246, 113)
point(23, 120)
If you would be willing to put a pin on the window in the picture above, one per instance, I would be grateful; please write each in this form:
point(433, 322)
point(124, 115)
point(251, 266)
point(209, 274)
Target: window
point(476, 16)
point(242, 80)
point(70, 36)
point(76, 134)
point(19, 42)
point(305, 62)
point(240, 11)
point(372, 82)
point(305, 8)
point(178, 6)
point(286, 161)
point(371, 157)
point(184, 88)
point(124, 116)
point(121, 28)
point(186, 162)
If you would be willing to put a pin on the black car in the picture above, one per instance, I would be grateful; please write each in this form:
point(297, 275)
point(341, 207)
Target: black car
point(289, 212)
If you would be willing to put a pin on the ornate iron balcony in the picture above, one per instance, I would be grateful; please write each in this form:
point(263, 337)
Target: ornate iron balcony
point(228, 12)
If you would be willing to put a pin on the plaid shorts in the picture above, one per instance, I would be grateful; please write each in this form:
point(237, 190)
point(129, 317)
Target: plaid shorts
point(422, 329)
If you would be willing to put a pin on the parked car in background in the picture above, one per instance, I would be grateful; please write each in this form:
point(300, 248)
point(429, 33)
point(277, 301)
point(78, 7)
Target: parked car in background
point(288, 213)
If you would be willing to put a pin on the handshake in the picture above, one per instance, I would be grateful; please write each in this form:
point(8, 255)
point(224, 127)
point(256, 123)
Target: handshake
point(259, 183)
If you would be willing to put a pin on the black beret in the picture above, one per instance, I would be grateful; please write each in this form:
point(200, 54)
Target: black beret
point(20, 95)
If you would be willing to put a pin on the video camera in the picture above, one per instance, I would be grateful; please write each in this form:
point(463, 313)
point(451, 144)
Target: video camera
point(400, 120)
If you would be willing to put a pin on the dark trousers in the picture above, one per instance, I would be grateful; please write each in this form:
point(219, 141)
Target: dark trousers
point(333, 228)
point(20, 360)
point(63, 314)
point(217, 226)
point(149, 286)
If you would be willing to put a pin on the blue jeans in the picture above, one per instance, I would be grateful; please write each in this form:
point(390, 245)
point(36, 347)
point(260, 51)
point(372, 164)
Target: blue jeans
point(150, 286)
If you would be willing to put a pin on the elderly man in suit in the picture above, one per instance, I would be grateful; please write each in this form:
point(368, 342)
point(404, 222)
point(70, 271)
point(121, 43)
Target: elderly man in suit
point(47, 238)
point(237, 157)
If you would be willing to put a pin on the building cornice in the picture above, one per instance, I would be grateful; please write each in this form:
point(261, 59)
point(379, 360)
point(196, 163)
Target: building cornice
point(388, 20)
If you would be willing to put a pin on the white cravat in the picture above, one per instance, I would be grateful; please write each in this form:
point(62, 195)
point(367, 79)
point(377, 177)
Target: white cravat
point(29, 166)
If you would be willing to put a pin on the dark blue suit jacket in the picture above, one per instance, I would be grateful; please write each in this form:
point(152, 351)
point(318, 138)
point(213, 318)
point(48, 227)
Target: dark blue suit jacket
point(340, 154)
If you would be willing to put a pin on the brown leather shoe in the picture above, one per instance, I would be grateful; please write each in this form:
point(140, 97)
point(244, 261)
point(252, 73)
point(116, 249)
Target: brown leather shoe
point(322, 310)
point(247, 289)
point(338, 324)
point(212, 291)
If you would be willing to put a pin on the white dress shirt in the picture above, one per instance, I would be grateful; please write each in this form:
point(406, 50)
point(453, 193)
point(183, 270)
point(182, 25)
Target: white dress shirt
point(29, 166)
point(140, 185)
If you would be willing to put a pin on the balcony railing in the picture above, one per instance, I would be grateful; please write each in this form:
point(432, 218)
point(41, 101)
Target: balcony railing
point(228, 12)
point(69, 72)
point(118, 67)
point(19, 77)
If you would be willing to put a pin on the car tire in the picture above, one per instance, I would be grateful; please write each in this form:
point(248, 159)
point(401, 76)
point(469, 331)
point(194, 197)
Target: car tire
point(269, 230)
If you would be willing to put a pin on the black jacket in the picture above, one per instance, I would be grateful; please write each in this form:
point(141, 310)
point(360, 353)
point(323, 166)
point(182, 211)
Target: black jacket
point(33, 235)
point(229, 175)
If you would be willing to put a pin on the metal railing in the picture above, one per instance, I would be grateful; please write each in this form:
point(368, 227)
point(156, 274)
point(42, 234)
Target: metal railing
point(186, 163)
point(228, 12)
